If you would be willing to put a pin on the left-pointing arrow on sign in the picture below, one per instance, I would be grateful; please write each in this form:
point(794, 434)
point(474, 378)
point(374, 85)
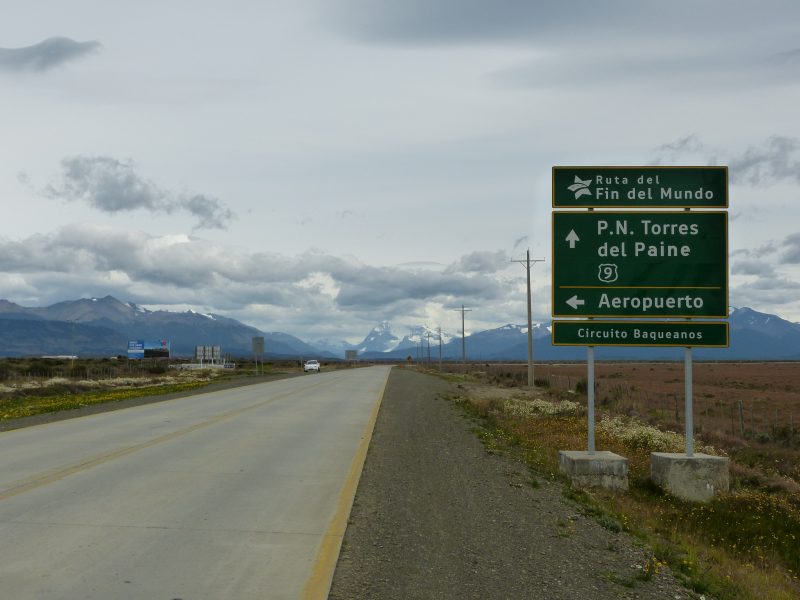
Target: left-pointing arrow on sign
point(575, 302)
point(572, 237)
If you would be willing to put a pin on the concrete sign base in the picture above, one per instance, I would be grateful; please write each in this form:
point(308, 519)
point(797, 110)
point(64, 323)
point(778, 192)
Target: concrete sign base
point(697, 478)
point(600, 469)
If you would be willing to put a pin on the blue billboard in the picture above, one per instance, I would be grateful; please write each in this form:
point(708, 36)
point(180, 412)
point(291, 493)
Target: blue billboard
point(138, 349)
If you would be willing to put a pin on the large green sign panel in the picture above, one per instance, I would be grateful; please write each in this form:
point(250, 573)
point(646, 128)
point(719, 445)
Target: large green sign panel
point(645, 187)
point(640, 264)
point(698, 334)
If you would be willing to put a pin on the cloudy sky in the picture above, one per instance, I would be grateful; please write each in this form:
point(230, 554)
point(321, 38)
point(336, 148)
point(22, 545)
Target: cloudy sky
point(317, 166)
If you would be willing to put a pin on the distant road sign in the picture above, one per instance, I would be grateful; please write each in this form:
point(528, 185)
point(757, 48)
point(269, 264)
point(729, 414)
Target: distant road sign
point(640, 264)
point(645, 187)
point(698, 334)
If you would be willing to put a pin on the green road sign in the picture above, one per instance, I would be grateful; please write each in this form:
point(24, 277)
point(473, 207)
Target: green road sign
point(640, 264)
point(697, 334)
point(645, 187)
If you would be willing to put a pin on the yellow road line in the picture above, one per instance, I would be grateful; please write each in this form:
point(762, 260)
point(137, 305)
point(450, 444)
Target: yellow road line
point(319, 583)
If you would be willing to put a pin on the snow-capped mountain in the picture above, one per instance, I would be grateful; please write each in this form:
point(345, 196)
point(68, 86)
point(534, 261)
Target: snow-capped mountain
point(747, 318)
point(481, 344)
point(426, 335)
point(754, 336)
point(102, 327)
point(379, 340)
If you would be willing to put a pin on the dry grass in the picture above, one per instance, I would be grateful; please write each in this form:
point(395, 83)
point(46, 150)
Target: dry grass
point(35, 386)
point(745, 544)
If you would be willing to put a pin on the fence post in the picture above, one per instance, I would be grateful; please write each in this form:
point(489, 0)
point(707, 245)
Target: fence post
point(741, 417)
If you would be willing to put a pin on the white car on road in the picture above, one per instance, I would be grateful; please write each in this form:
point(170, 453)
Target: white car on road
point(311, 365)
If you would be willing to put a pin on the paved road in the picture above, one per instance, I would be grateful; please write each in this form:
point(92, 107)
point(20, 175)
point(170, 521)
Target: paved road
point(228, 494)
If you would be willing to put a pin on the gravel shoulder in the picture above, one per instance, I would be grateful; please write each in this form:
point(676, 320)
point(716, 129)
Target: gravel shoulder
point(61, 415)
point(437, 516)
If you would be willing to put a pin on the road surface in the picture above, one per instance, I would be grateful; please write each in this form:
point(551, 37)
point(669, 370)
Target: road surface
point(233, 494)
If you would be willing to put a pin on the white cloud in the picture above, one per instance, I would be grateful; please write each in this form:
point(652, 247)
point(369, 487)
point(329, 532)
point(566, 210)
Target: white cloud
point(410, 142)
point(186, 270)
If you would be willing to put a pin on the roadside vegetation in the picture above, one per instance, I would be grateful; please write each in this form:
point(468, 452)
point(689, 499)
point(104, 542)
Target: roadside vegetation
point(32, 386)
point(743, 545)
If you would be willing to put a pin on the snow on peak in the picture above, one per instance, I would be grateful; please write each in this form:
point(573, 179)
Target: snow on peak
point(381, 327)
point(136, 307)
point(380, 339)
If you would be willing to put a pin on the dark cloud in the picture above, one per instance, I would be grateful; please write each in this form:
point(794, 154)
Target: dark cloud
point(49, 54)
point(776, 160)
point(773, 285)
point(672, 152)
point(111, 185)
point(480, 262)
point(418, 21)
point(766, 291)
point(460, 21)
point(519, 241)
point(791, 246)
point(209, 211)
point(766, 249)
point(789, 57)
point(753, 267)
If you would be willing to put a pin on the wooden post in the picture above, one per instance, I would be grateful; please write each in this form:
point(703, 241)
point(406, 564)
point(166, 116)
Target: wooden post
point(741, 418)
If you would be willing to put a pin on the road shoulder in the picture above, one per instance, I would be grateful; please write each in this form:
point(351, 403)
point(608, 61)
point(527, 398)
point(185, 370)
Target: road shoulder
point(437, 516)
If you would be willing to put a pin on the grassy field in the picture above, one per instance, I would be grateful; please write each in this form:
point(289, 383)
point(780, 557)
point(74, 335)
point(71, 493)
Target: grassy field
point(32, 386)
point(744, 544)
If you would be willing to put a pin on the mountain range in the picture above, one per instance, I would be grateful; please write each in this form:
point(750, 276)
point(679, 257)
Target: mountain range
point(103, 326)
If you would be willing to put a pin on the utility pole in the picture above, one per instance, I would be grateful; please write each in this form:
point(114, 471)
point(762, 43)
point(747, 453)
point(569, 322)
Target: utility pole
point(428, 333)
point(463, 310)
point(527, 264)
point(440, 348)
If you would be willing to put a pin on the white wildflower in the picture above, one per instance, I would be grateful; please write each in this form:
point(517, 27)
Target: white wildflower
point(529, 408)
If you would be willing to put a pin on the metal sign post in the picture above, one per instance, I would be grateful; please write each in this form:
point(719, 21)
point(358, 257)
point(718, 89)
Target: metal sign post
point(590, 395)
point(689, 416)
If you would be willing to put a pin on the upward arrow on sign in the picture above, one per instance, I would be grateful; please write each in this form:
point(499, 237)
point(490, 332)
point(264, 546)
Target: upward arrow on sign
point(572, 237)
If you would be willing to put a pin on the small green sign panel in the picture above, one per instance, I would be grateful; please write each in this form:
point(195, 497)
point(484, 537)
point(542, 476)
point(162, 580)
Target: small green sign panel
point(640, 264)
point(695, 334)
point(643, 187)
